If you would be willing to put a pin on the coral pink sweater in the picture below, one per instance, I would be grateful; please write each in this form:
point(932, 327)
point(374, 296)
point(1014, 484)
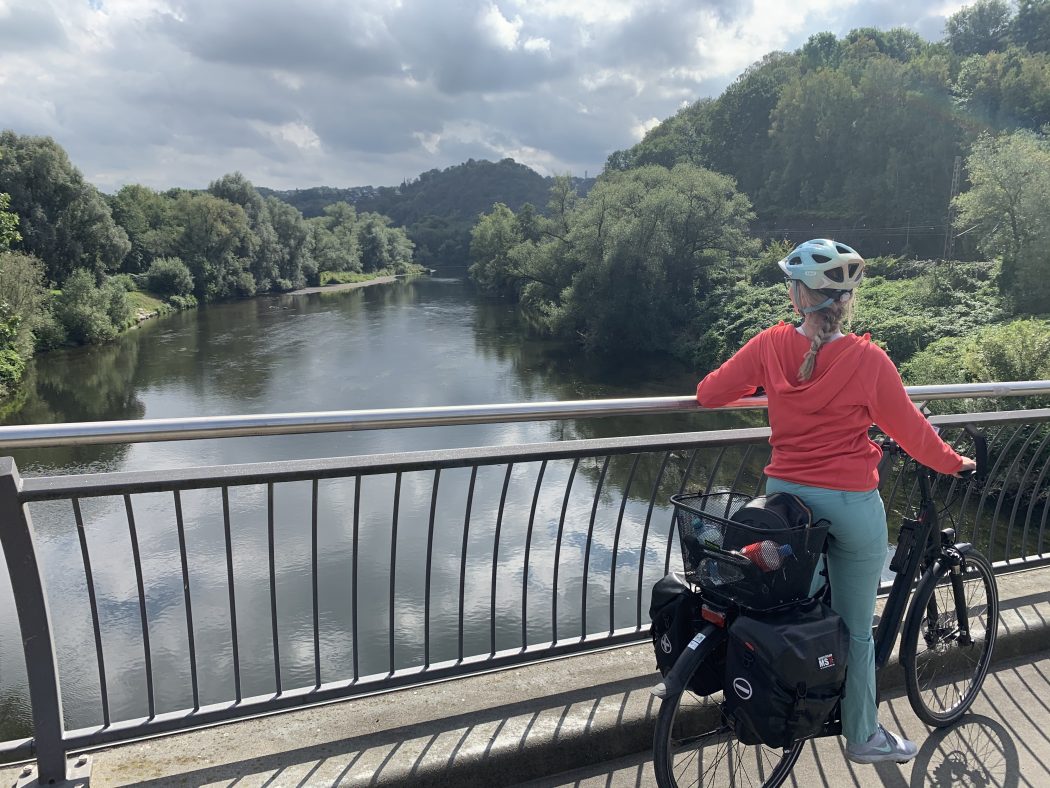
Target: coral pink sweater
point(820, 426)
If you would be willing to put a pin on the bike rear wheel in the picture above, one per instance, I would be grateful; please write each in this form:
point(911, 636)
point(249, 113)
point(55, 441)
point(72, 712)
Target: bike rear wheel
point(695, 745)
point(948, 639)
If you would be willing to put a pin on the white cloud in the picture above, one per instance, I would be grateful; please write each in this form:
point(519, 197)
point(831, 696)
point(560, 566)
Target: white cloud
point(537, 45)
point(640, 129)
point(498, 29)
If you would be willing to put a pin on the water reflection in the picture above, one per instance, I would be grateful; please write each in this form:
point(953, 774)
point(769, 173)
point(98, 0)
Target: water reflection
point(426, 342)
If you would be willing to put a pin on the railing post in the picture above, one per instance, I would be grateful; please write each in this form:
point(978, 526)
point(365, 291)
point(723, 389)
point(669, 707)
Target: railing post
point(34, 620)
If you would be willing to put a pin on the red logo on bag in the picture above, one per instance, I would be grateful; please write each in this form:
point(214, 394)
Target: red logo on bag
point(827, 661)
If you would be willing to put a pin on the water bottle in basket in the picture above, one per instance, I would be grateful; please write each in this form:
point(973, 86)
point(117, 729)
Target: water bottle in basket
point(767, 555)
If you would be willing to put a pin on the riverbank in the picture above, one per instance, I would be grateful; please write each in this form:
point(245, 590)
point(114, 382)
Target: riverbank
point(379, 280)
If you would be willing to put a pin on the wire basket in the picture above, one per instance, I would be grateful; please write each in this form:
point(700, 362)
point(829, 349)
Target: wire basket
point(756, 568)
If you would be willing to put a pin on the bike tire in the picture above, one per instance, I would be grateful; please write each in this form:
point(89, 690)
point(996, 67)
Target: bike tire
point(711, 756)
point(941, 666)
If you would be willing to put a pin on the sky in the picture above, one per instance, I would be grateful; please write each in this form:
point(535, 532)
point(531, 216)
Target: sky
point(297, 93)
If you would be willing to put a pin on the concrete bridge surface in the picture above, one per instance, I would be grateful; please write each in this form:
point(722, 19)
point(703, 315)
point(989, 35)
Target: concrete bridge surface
point(588, 721)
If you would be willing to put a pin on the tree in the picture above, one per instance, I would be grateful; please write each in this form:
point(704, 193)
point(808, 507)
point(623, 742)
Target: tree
point(1031, 26)
point(169, 276)
point(335, 245)
point(978, 28)
point(263, 252)
point(63, 220)
point(146, 218)
point(91, 314)
point(215, 242)
point(1006, 203)
point(8, 224)
point(295, 262)
point(493, 238)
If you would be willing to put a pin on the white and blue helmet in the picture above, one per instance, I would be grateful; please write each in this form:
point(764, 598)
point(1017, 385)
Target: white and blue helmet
point(822, 264)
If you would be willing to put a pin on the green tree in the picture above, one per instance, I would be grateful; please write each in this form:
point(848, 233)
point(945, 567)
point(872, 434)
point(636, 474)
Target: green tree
point(493, 238)
point(263, 250)
point(1031, 26)
point(294, 242)
point(215, 241)
point(978, 28)
point(1006, 203)
point(635, 253)
point(169, 276)
point(63, 219)
point(91, 314)
point(335, 243)
point(8, 224)
point(146, 217)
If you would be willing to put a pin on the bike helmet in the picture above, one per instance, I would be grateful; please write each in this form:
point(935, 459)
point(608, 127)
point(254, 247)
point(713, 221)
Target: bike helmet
point(822, 264)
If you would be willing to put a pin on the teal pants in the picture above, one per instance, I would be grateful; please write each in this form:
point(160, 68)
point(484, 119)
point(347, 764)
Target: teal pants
point(857, 545)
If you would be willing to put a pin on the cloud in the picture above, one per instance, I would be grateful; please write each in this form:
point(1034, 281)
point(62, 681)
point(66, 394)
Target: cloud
point(177, 92)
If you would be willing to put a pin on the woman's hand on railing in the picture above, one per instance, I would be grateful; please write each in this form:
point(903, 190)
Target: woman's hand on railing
point(967, 468)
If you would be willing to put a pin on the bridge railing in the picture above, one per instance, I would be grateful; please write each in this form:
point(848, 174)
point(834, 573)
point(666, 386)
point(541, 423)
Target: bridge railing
point(157, 601)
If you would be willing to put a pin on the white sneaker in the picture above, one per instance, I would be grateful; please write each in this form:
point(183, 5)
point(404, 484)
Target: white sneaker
point(882, 746)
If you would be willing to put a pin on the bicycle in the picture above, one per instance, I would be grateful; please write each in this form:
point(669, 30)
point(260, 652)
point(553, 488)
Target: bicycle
point(952, 623)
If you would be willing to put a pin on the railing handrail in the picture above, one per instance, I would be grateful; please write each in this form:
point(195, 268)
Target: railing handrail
point(196, 428)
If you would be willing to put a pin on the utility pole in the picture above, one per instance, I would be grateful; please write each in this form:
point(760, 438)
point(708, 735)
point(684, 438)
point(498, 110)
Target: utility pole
point(949, 235)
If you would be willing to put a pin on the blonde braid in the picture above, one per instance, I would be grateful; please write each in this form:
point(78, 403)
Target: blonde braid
point(832, 317)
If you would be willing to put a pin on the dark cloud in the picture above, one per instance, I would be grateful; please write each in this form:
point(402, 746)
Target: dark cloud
point(29, 27)
point(375, 91)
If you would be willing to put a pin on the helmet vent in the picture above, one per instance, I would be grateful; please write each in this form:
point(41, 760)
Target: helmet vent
point(820, 258)
point(853, 268)
point(796, 260)
point(843, 249)
point(835, 275)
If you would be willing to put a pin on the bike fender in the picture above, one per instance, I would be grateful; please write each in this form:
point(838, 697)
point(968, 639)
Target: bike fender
point(698, 649)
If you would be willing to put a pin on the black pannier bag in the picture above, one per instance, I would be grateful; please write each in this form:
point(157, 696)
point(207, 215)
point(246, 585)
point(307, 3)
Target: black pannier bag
point(784, 673)
point(674, 610)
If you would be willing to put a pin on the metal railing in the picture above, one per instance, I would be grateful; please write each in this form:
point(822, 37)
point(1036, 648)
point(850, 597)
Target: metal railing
point(159, 601)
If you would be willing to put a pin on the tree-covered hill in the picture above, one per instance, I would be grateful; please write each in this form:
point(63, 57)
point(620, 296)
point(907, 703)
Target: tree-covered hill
point(438, 208)
point(858, 136)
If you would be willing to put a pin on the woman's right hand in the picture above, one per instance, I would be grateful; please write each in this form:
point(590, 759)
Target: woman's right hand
point(968, 466)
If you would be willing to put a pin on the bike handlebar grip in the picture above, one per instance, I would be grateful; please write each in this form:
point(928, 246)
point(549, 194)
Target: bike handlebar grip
point(980, 443)
point(699, 649)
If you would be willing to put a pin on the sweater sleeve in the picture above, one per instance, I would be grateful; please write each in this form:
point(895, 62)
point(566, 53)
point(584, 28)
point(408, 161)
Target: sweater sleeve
point(738, 377)
point(897, 416)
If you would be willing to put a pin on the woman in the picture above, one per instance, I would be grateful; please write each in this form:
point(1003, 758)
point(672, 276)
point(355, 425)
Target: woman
point(825, 390)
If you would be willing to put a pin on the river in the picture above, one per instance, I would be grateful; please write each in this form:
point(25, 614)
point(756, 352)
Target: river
point(422, 342)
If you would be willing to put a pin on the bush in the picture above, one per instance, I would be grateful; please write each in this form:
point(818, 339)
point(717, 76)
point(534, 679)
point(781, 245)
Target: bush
point(169, 276)
point(124, 281)
point(183, 301)
point(91, 314)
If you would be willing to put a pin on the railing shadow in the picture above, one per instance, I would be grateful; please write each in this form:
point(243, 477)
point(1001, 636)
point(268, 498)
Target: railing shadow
point(458, 749)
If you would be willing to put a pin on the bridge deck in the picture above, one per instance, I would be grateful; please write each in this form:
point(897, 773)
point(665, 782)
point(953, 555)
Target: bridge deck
point(587, 711)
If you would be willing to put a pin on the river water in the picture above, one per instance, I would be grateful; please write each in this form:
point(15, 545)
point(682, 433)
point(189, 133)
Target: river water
point(423, 342)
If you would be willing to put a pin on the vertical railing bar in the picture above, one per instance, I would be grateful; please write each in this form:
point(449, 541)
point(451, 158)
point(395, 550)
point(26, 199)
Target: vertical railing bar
point(180, 526)
point(1009, 475)
point(688, 469)
point(645, 534)
point(1020, 489)
point(616, 539)
point(463, 556)
point(557, 550)
point(430, 563)
point(233, 599)
point(525, 559)
point(740, 468)
point(356, 544)
point(1042, 523)
point(314, 581)
point(1035, 488)
point(761, 480)
point(999, 498)
point(714, 470)
point(393, 565)
point(34, 624)
point(495, 560)
point(93, 602)
point(983, 495)
point(587, 547)
point(271, 542)
point(151, 701)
